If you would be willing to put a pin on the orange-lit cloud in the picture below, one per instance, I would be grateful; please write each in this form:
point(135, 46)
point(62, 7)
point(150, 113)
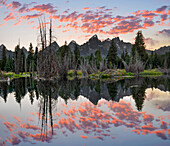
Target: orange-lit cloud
point(14, 5)
point(10, 126)
point(86, 8)
point(83, 136)
point(90, 119)
point(10, 16)
point(47, 8)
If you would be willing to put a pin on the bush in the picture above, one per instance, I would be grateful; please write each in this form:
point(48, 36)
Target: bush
point(105, 76)
point(129, 74)
point(93, 76)
point(70, 73)
point(79, 73)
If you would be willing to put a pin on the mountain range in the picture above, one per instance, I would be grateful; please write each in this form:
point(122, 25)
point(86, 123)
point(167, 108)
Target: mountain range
point(94, 44)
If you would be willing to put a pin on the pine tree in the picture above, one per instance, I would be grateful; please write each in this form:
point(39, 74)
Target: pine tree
point(4, 59)
point(123, 56)
point(91, 59)
point(35, 55)
point(140, 46)
point(98, 58)
point(22, 61)
point(112, 56)
point(30, 57)
point(77, 56)
point(156, 60)
point(9, 66)
point(35, 58)
point(16, 59)
point(64, 51)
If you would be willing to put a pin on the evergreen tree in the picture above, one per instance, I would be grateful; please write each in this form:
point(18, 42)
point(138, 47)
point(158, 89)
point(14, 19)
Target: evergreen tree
point(77, 56)
point(35, 58)
point(9, 66)
point(98, 58)
point(30, 57)
point(91, 59)
point(22, 61)
point(140, 46)
point(4, 59)
point(133, 52)
point(112, 56)
point(156, 60)
point(123, 56)
point(64, 51)
point(16, 59)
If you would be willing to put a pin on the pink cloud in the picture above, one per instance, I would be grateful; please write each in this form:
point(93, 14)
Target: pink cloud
point(10, 16)
point(47, 8)
point(14, 5)
point(161, 9)
point(86, 8)
point(83, 136)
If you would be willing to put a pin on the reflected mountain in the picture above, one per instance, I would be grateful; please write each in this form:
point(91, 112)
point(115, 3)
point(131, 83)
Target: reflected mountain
point(92, 90)
point(74, 118)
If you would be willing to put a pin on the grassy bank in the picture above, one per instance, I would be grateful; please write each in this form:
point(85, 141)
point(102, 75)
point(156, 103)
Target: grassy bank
point(11, 75)
point(111, 73)
point(105, 75)
point(153, 72)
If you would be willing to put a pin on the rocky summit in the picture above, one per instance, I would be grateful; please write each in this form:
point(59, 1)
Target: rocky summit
point(94, 44)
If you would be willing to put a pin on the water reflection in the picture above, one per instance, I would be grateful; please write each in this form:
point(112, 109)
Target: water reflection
point(93, 90)
point(91, 117)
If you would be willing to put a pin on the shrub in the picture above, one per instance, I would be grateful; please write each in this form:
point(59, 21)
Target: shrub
point(104, 76)
point(70, 73)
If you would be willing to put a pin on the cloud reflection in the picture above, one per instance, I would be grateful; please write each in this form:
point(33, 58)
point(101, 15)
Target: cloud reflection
point(95, 121)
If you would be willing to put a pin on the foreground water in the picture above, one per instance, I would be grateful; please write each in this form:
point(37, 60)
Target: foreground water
point(84, 112)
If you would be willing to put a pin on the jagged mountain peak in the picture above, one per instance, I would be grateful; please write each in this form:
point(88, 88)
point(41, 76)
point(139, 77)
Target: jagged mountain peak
point(73, 42)
point(94, 37)
point(2, 45)
point(72, 45)
point(108, 39)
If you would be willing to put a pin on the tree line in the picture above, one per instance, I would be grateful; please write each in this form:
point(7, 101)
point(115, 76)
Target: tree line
point(49, 62)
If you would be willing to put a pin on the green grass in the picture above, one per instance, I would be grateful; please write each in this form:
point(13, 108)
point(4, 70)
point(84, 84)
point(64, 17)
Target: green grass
point(129, 74)
point(12, 75)
point(70, 73)
point(94, 76)
point(152, 72)
point(79, 73)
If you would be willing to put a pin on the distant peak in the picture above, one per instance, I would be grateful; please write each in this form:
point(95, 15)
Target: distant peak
point(23, 48)
point(2, 45)
point(54, 43)
point(108, 39)
point(94, 36)
point(73, 42)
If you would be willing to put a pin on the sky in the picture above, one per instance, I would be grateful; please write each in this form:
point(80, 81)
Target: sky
point(80, 20)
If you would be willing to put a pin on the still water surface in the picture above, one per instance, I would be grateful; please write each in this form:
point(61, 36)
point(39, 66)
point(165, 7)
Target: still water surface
point(84, 112)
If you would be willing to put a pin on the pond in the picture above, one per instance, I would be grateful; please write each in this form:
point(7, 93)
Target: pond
point(85, 112)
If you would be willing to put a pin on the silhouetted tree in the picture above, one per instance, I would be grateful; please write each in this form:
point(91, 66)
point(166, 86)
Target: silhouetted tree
point(4, 59)
point(98, 58)
point(9, 66)
point(140, 46)
point(17, 59)
point(35, 58)
point(77, 56)
point(112, 55)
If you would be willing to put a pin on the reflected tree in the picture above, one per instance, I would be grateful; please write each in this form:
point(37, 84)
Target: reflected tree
point(138, 94)
point(112, 89)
